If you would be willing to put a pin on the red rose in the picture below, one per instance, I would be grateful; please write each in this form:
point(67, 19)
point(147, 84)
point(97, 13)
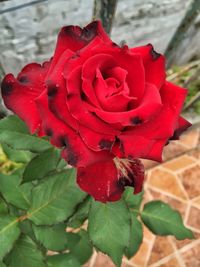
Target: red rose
point(106, 106)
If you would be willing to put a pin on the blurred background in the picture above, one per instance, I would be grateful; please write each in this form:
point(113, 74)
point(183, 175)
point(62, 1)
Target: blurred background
point(28, 32)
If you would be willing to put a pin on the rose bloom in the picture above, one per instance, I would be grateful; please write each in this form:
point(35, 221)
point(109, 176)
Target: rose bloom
point(104, 104)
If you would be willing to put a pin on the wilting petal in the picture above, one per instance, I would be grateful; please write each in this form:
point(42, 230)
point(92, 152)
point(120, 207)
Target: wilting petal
point(19, 94)
point(154, 64)
point(75, 38)
point(105, 182)
point(181, 126)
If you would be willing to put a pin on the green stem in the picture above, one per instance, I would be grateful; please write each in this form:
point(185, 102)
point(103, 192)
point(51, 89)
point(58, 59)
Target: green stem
point(105, 11)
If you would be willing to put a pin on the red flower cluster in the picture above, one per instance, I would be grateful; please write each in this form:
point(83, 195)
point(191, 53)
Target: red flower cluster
point(106, 106)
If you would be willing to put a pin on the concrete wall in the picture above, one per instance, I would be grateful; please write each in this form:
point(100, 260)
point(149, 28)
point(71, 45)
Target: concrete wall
point(29, 34)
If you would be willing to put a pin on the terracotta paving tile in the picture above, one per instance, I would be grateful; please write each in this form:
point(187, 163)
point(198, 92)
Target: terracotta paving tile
point(148, 164)
point(172, 150)
point(195, 153)
point(179, 163)
point(196, 202)
point(171, 263)
point(126, 264)
point(103, 260)
point(161, 249)
point(191, 181)
point(192, 257)
point(141, 256)
point(190, 138)
point(87, 264)
point(182, 243)
point(167, 182)
point(147, 234)
point(194, 218)
point(176, 204)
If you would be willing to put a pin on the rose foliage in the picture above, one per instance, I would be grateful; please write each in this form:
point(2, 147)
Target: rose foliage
point(105, 107)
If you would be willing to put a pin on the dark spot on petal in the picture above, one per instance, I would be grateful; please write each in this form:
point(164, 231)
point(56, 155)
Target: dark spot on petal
point(83, 96)
point(123, 181)
point(136, 120)
point(114, 44)
point(86, 34)
point(63, 141)
point(6, 88)
point(23, 79)
point(155, 55)
point(89, 32)
point(71, 30)
point(49, 132)
point(131, 177)
point(52, 90)
point(120, 144)
point(69, 96)
point(72, 158)
point(75, 56)
point(105, 144)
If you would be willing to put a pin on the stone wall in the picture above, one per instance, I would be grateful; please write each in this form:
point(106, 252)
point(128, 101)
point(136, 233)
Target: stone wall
point(29, 34)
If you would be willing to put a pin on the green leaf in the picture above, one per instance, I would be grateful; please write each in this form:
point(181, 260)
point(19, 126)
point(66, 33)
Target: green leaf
point(23, 141)
point(16, 155)
point(13, 123)
point(80, 247)
point(81, 214)
point(109, 228)
point(9, 233)
point(161, 219)
point(136, 237)
point(41, 165)
point(3, 207)
point(2, 264)
point(14, 193)
point(62, 164)
point(63, 260)
point(55, 199)
point(52, 237)
point(27, 229)
point(25, 253)
point(133, 201)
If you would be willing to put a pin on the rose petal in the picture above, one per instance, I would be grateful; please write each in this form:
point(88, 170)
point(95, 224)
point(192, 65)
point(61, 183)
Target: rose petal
point(75, 151)
point(101, 62)
point(75, 38)
point(100, 180)
point(154, 64)
point(181, 126)
point(19, 94)
point(140, 140)
point(78, 109)
point(149, 106)
point(125, 59)
point(57, 92)
point(110, 97)
point(96, 141)
point(105, 182)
